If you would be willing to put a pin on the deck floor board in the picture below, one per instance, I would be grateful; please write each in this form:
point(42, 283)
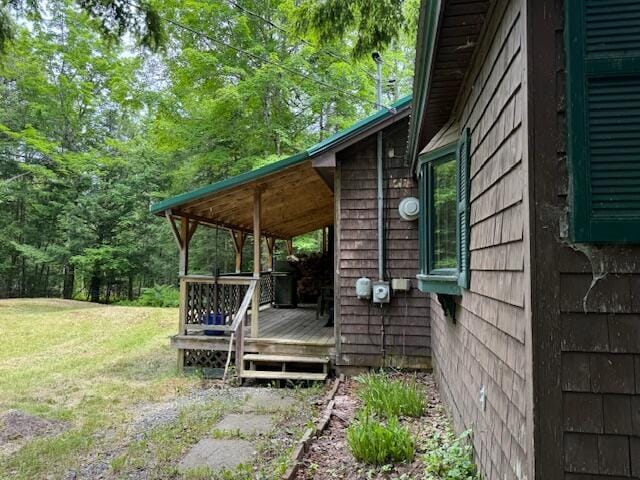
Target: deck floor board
point(294, 324)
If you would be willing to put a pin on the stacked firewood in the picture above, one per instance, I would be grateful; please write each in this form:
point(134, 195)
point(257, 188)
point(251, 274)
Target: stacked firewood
point(313, 272)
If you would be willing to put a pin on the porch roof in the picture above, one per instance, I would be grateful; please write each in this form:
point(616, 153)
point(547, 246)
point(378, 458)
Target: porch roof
point(297, 196)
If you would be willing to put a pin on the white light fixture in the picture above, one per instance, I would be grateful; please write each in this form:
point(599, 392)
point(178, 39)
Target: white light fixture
point(409, 208)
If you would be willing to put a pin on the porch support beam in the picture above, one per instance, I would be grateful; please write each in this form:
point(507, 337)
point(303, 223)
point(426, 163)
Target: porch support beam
point(238, 239)
point(174, 228)
point(290, 246)
point(324, 239)
point(270, 247)
point(255, 304)
point(184, 247)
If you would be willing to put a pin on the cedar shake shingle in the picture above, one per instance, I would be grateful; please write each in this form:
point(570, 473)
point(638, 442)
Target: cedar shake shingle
point(583, 412)
point(624, 333)
point(613, 455)
point(612, 373)
point(617, 414)
point(581, 452)
point(634, 445)
point(585, 334)
point(635, 414)
point(575, 372)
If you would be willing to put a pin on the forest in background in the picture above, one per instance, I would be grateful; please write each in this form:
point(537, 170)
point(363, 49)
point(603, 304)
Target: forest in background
point(96, 127)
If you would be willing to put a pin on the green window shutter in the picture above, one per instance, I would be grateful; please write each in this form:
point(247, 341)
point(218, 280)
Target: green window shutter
point(603, 119)
point(463, 166)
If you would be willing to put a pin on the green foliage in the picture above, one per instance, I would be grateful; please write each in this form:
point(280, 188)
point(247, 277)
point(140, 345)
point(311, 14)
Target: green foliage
point(93, 130)
point(450, 457)
point(391, 398)
point(377, 443)
point(157, 296)
point(115, 18)
point(377, 22)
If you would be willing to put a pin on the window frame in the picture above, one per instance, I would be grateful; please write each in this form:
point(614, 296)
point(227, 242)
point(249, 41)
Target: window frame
point(443, 280)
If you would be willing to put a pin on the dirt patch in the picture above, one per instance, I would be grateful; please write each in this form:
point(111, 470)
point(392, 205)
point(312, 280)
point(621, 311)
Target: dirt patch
point(16, 427)
point(329, 457)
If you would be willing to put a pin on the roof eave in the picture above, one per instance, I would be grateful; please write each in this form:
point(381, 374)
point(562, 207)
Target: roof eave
point(431, 14)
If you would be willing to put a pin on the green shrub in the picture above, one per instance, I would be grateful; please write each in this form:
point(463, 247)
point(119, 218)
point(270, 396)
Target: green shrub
point(450, 457)
point(158, 296)
point(379, 443)
point(391, 398)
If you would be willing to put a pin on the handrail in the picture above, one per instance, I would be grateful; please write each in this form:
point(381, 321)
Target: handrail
point(244, 306)
point(222, 280)
point(236, 330)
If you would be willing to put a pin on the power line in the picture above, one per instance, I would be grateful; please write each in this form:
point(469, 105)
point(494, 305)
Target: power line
point(303, 40)
point(264, 59)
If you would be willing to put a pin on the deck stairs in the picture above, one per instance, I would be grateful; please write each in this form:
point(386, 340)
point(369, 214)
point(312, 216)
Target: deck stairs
point(285, 367)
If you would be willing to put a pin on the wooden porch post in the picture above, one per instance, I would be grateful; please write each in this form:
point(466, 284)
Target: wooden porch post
point(182, 238)
point(270, 246)
point(290, 246)
point(184, 247)
point(255, 304)
point(324, 239)
point(238, 245)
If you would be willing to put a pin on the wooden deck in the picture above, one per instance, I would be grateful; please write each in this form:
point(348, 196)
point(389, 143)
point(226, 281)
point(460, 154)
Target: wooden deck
point(283, 331)
point(296, 324)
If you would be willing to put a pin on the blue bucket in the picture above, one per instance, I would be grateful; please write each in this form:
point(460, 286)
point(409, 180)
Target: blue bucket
point(213, 319)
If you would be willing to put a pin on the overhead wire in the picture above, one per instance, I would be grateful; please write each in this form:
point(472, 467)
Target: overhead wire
point(264, 59)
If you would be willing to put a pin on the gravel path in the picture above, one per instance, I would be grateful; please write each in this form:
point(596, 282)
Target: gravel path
point(153, 415)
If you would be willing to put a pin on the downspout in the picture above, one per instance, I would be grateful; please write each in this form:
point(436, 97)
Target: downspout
point(378, 60)
point(380, 199)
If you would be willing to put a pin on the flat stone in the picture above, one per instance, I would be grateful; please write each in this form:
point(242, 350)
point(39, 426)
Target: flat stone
point(267, 400)
point(217, 454)
point(248, 423)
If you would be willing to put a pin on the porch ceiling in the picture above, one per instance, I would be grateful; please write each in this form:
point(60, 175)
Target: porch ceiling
point(296, 194)
point(294, 201)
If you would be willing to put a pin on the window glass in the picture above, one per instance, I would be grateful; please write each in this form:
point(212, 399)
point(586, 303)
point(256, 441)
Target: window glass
point(444, 215)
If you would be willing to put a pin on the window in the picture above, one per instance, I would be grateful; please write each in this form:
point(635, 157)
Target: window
point(603, 120)
point(444, 223)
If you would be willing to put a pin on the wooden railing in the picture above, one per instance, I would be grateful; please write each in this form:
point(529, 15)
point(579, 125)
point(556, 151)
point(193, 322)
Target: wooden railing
point(204, 298)
point(225, 300)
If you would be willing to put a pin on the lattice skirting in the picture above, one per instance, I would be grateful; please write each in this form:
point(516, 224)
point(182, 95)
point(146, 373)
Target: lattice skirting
point(206, 358)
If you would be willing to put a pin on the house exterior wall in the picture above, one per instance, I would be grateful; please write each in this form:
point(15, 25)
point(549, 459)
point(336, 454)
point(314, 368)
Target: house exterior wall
point(487, 347)
point(586, 313)
point(406, 319)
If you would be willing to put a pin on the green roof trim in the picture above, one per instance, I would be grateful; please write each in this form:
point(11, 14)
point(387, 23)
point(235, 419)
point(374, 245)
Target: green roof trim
point(246, 177)
point(360, 125)
point(274, 167)
point(430, 13)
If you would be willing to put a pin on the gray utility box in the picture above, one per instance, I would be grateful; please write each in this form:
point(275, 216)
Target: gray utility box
point(381, 292)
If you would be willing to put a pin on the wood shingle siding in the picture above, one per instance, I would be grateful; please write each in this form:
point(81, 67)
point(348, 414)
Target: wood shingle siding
point(406, 322)
point(587, 300)
point(486, 346)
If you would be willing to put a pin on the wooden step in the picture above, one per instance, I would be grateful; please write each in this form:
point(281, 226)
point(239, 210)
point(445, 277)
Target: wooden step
point(262, 375)
point(256, 357)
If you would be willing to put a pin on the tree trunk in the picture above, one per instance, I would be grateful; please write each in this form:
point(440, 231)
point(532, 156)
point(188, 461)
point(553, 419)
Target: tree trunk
point(130, 292)
point(94, 288)
point(69, 280)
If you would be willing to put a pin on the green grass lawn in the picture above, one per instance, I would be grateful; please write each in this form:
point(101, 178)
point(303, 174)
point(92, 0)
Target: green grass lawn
point(84, 364)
